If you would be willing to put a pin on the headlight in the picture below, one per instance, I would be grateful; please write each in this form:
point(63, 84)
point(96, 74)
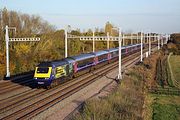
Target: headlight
point(46, 78)
point(35, 78)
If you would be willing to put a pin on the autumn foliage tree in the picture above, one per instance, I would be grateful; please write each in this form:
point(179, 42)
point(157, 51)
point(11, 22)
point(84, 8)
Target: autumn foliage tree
point(24, 56)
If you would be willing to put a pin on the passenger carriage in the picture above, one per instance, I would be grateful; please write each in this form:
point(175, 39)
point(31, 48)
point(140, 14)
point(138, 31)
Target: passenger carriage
point(100, 58)
point(83, 63)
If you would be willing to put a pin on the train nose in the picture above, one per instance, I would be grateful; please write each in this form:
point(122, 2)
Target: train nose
point(42, 81)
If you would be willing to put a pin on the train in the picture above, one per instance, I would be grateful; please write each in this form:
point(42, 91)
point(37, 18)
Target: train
point(51, 73)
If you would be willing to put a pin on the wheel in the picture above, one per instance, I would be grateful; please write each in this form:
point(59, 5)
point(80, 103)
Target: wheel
point(92, 69)
point(48, 87)
point(70, 76)
point(56, 82)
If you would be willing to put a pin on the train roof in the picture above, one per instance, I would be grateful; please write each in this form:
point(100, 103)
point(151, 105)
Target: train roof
point(69, 60)
point(132, 45)
point(58, 63)
point(98, 53)
point(112, 49)
point(82, 56)
point(122, 47)
point(136, 44)
point(55, 63)
point(45, 64)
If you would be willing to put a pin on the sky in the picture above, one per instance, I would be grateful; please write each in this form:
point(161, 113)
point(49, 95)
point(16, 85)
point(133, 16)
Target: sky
point(161, 16)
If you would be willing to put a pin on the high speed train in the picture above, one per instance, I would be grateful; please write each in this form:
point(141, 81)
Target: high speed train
point(49, 74)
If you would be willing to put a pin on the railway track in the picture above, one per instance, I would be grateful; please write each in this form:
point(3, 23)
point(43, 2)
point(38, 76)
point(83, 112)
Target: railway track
point(25, 106)
point(7, 83)
point(51, 94)
point(26, 98)
point(16, 84)
point(57, 95)
point(15, 87)
point(17, 79)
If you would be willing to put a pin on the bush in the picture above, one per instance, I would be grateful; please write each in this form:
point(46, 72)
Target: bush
point(162, 71)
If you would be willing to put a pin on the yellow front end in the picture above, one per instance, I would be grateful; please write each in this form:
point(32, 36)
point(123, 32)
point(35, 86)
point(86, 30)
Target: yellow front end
point(42, 74)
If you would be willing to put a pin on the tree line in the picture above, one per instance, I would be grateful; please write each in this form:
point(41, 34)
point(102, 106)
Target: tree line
point(24, 56)
point(174, 43)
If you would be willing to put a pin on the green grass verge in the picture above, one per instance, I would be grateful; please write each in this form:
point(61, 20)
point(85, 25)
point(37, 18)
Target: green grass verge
point(170, 82)
point(166, 107)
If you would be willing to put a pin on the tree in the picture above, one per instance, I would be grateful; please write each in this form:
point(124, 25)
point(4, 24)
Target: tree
point(1, 32)
point(23, 53)
point(108, 28)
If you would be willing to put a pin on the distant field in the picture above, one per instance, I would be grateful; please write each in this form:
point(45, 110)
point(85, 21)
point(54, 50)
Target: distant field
point(175, 66)
point(166, 107)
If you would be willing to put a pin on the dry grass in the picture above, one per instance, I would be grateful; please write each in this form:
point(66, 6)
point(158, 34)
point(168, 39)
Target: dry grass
point(125, 103)
point(175, 66)
point(130, 100)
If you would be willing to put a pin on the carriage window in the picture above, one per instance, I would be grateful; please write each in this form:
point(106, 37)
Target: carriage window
point(123, 50)
point(85, 62)
point(114, 54)
point(102, 57)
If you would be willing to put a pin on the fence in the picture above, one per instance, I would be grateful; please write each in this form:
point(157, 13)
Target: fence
point(166, 91)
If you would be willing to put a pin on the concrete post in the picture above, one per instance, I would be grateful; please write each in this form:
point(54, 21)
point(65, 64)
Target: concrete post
point(120, 40)
point(108, 40)
point(149, 44)
point(66, 37)
point(7, 52)
point(141, 46)
point(158, 42)
point(93, 42)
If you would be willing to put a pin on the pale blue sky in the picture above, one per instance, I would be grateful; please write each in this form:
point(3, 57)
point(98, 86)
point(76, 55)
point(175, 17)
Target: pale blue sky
point(161, 16)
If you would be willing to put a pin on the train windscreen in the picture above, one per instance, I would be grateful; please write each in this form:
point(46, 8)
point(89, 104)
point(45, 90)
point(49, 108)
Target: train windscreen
point(42, 70)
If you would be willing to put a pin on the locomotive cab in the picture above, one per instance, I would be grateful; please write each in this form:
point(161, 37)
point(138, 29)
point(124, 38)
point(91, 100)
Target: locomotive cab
point(43, 74)
point(48, 72)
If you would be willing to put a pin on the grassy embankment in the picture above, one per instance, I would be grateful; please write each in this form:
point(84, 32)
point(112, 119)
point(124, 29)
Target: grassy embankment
point(166, 106)
point(132, 101)
point(175, 67)
point(127, 102)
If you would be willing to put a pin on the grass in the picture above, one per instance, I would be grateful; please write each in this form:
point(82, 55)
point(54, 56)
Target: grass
point(125, 103)
point(166, 107)
point(170, 82)
point(175, 66)
point(131, 101)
